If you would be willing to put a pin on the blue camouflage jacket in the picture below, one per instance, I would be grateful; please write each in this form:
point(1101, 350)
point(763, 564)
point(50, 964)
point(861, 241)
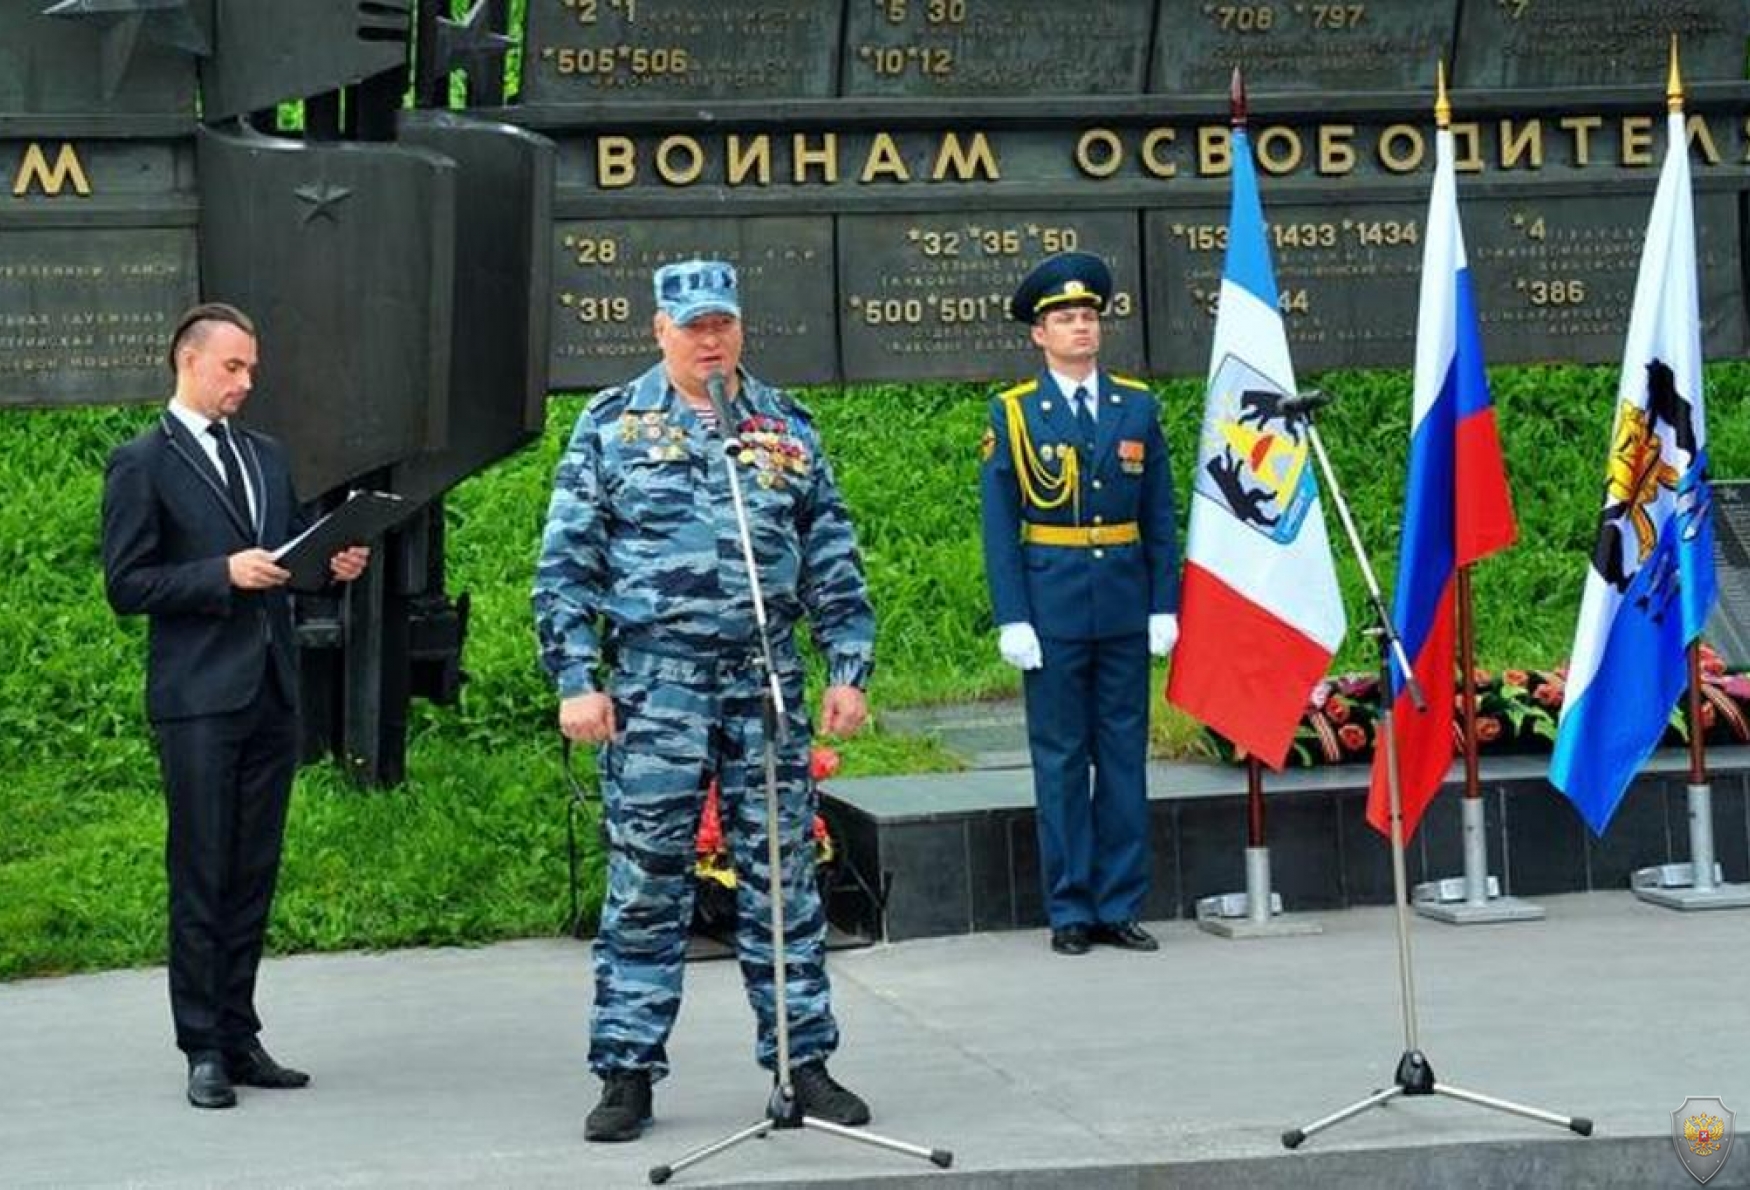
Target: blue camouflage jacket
point(641, 537)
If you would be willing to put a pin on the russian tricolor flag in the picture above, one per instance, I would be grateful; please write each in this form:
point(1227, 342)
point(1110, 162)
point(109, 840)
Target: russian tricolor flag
point(1260, 614)
point(1651, 585)
point(1456, 505)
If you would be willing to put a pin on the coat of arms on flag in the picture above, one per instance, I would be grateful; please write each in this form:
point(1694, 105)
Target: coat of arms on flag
point(1252, 459)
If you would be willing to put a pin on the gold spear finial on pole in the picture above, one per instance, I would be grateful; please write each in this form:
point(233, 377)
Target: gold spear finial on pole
point(1442, 105)
point(1674, 84)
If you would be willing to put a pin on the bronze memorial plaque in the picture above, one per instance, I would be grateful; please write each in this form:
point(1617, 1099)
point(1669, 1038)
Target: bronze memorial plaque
point(97, 258)
point(1554, 279)
point(997, 47)
point(85, 312)
point(1728, 631)
point(1603, 43)
point(1301, 45)
point(926, 296)
point(1346, 276)
point(603, 302)
point(618, 50)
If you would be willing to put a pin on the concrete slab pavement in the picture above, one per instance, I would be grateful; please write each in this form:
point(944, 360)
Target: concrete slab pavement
point(467, 1067)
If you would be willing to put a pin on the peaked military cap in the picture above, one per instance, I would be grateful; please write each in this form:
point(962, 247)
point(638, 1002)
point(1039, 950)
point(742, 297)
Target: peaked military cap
point(690, 289)
point(1066, 279)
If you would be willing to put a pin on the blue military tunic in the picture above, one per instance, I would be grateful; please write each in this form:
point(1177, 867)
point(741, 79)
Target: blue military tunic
point(641, 541)
point(1080, 542)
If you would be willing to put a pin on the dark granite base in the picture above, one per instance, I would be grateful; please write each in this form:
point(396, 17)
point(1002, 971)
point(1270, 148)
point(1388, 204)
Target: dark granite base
point(957, 853)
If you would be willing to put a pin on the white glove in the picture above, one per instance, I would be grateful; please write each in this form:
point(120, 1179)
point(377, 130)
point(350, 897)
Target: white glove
point(1163, 634)
point(1019, 645)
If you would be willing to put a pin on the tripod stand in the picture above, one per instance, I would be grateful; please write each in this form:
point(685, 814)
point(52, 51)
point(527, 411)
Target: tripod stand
point(1414, 1075)
point(783, 1109)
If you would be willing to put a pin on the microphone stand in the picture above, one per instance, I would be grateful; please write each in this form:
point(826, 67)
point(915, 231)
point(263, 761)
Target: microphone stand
point(783, 1111)
point(1414, 1075)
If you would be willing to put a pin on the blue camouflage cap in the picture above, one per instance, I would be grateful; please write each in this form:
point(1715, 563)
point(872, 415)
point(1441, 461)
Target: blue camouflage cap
point(1066, 279)
point(690, 289)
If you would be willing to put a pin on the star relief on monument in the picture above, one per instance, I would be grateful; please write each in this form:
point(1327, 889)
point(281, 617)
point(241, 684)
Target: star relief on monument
point(323, 197)
point(169, 23)
point(469, 43)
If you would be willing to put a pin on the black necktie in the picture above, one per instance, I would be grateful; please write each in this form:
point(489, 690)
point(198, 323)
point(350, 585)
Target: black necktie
point(1084, 417)
point(233, 472)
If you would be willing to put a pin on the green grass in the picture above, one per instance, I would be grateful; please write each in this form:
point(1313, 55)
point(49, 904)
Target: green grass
point(472, 847)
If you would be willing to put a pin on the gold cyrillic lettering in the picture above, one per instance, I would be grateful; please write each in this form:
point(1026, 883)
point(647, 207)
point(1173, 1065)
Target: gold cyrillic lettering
point(689, 151)
point(616, 162)
point(1270, 159)
point(1099, 153)
point(1522, 140)
point(1467, 148)
point(1702, 137)
point(1582, 127)
point(965, 162)
point(826, 156)
point(755, 157)
point(1215, 151)
point(1637, 140)
point(36, 168)
point(884, 159)
point(1401, 148)
point(1154, 144)
point(1336, 153)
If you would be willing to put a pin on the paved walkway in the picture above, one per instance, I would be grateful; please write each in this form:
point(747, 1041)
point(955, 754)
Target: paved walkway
point(466, 1067)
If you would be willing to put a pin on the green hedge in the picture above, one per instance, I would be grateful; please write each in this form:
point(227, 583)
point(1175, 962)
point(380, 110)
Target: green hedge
point(472, 847)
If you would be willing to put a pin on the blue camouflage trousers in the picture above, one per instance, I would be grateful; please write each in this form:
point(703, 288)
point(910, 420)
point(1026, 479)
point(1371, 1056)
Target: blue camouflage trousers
point(680, 721)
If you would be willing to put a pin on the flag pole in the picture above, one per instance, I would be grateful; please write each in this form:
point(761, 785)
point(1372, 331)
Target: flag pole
point(1695, 884)
point(1475, 897)
point(1256, 912)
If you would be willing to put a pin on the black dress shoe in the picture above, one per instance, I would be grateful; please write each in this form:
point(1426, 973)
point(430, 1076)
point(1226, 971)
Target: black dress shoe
point(1072, 939)
point(1126, 935)
point(254, 1067)
point(208, 1084)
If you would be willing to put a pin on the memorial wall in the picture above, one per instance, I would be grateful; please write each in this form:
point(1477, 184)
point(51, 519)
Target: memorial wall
point(884, 171)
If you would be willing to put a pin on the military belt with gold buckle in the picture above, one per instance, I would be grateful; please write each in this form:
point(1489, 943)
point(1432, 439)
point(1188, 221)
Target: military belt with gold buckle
point(1081, 536)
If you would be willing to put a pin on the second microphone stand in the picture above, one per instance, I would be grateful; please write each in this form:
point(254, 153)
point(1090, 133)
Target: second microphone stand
point(1414, 1075)
point(783, 1110)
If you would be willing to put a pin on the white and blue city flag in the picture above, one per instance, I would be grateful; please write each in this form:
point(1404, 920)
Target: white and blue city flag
point(1650, 586)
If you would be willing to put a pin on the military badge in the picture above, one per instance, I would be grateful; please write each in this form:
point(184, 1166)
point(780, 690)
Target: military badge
point(1131, 455)
point(1702, 1131)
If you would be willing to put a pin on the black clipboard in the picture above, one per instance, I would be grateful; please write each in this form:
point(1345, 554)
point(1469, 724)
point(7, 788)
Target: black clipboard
point(364, 517)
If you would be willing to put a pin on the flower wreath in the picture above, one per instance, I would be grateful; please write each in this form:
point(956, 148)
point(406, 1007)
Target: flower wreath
point(1517, 712)
point(714, 864)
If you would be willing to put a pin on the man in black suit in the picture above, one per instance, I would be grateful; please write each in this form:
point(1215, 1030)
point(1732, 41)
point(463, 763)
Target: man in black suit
point(190, 510)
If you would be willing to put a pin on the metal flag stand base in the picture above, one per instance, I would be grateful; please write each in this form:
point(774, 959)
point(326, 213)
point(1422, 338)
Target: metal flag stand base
point(783, 1109)
point(1414, 1075)
point(1697, 884)
point(1255, 913)
point(1475, 898)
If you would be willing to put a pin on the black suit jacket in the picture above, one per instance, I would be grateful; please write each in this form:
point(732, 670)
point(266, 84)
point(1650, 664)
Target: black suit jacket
point(168, 527)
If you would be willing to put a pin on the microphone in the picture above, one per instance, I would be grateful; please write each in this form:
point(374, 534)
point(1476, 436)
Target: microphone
point(1304, 403)
point(714, 392)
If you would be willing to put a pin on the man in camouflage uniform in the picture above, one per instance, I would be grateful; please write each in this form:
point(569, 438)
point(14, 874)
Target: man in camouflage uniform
point(642, 573)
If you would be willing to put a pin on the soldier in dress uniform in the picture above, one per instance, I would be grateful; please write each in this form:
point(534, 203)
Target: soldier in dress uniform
point(646, 624)
point(1082, 560)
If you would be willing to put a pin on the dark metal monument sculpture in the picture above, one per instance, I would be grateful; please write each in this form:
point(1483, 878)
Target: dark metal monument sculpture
point(882, 172)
